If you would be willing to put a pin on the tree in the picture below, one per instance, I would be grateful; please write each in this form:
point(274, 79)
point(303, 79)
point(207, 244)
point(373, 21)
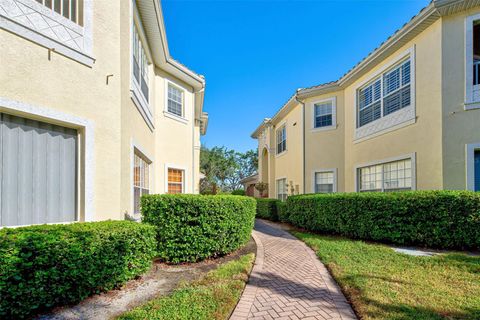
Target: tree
point(224, 168)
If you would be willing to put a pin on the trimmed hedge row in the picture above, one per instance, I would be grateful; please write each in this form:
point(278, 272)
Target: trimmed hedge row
point(267, 208)
point(440, 219)
point(194, 227)
point(47, 265)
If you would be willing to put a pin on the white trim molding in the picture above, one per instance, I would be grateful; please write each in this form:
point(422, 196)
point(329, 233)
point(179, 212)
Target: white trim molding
point(86, 136)
point(470, 164)
point(275, 129)
point(136, 147)
point(333, 126)
point(399, 118)
point(335, 179)
point(472, 93)
point(40, 24)
point(411, 156)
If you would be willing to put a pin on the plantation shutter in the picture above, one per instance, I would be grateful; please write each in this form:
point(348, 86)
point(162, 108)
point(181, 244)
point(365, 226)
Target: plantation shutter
point(477, 170)
point(37, 172)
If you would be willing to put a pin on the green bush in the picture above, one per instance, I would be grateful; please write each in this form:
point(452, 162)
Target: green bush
point(47, 265)
point(282, 211)
point(441, 219)
point(267, 208)
point(239, 192)
point(195, 227)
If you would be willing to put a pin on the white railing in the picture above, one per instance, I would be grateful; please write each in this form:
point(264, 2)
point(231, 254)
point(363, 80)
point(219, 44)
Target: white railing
point(70, 9)
point(476, 73)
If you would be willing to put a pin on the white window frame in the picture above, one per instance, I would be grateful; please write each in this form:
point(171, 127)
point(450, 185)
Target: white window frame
point(276, 188)
point(333, 101)
point(143, 105)
point(470, 101)
point(185, 177)
point(182, 119)
point(80, 49)
point(314, 178)
point(393, 121)
point(412, 157)
point(141, 154)
point(281, 126)
point(470, 164)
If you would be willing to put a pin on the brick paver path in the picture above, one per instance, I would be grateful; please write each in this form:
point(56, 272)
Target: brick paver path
point(289, 282)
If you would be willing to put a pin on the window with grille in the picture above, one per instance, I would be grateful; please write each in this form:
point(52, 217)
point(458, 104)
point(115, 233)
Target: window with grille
point(388, 93)
point(175, 181)
point(282, 191)
point(324, 182)
point(476, 53)
point(323, 114)
point(281, 139)
point(391, 176)
point(140, 180)
point(140, 64)
point(70, 9)
point(175, 100)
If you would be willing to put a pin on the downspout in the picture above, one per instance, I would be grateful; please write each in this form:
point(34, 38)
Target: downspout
point(193, 138)
point(303, 139)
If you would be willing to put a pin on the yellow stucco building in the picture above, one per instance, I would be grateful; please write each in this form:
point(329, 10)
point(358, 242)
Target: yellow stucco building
point(94, 112)
point(407, 117)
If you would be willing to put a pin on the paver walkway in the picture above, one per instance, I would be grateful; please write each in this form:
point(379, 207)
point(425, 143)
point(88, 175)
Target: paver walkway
point(289, 282)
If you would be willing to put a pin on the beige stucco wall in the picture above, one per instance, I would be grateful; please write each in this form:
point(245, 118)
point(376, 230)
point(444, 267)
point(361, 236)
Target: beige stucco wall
point(424, 137)
point(324, 149)
point(65, 86)
point(460, 127)
point(288, 164)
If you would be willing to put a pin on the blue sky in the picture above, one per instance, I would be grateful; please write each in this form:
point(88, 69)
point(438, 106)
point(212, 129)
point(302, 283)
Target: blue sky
point(255, 54)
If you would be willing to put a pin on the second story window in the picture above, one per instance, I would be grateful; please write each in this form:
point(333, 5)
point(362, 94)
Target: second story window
point(388, 93)
point(175, 100)
point(323, 114)
point(140, 64)
point(281, 139)
point(476, 53)
point(70, 9)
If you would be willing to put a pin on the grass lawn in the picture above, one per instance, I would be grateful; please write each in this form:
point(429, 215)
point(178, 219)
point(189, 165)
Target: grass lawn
point(212, 297)
point(383, 284)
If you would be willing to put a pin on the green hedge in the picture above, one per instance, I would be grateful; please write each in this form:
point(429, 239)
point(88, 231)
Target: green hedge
point(194, 227)
point(441, 219)
point(267, 208)
point(47, 265)
point(282, 211)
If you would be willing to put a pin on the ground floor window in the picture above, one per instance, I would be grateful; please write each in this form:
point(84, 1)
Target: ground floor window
point(175, 180)
point(38, 172)
point(390, 176)
point(141, 178)
point(282, 191)
point(324, 182)
point(477, 170)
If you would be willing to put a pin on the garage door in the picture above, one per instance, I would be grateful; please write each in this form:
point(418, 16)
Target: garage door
point(38, 168)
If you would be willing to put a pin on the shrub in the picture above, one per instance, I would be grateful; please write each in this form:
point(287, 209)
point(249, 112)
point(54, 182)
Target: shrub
point(239, 192)
point(282, 211)
point(267, 208)
point(195, 227)
point(47, 265)
point(442, 219)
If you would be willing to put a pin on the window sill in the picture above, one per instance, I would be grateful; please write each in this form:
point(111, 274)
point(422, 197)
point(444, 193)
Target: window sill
point(277, 155)
point(68, 39)
point(320, 129)
point(142, 106)
point(472, 105)
point(175, 117)
point(391, 122)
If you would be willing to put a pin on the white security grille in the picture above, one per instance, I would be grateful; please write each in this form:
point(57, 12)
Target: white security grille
point(70, 9)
